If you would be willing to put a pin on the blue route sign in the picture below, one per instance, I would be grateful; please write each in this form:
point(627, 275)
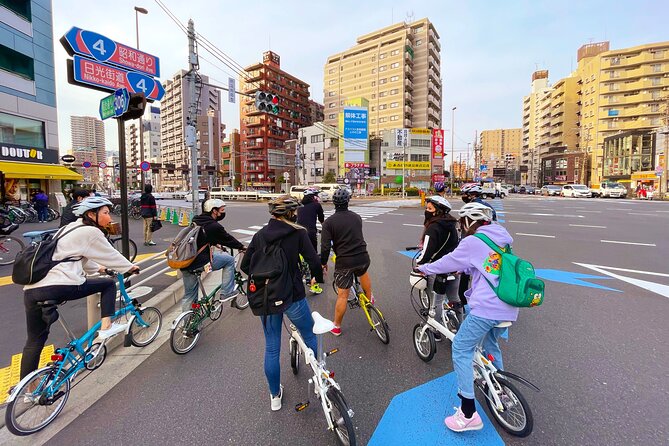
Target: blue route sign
point(114, 105)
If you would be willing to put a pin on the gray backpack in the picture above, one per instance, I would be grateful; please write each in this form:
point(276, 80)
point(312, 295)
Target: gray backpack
point(183, 250)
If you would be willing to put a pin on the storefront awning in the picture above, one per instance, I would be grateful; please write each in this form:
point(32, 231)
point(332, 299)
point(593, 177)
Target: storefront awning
point(38, 171)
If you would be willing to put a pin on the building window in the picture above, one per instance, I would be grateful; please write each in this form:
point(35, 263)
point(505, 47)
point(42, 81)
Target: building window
point(394, 105)
point(394, 91)
point(331, 116)
point(382, 120)
point(382, 94)
point(419, 42)
point(657, 68)
point(655, 81)
point(418, 30)
point(373, 108)
point(382, 68)
point(373, 121)
point(331, 93)
point(395, 65)
point(20, 7)
point(654, 107)
point(382, 81)
point(332, 81)
point(331, 105)
point(394, 78)
point(331, 71)
point(382, 56)
point(383, 106)
point(373, 70)
point(658, 54)
point(22, 131)
point(317, 138)
point(373, 83)
point(15, 62)
point(394, 118)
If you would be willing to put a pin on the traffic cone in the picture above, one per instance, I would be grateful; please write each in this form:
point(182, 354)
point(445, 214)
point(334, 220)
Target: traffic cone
point(163, 214)
point(175, 217)
point(169, 215)
point(184, 219)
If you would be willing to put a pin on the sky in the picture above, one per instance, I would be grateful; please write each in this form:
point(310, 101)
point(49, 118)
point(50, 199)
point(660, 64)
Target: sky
point(489, 49)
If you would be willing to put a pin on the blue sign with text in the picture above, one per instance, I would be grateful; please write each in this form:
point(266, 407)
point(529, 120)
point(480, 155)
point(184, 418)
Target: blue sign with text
point(355, 123)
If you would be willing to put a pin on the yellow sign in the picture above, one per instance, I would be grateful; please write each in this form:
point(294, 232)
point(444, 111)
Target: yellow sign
point(413, 165)
point(644, 176)
point(421, 131)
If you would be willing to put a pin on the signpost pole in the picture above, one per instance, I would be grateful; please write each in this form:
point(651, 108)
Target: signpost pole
point(404, 163)
point(125, 244)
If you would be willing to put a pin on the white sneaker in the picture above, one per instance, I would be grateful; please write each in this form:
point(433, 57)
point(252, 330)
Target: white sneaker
point(229, 297)
point(276, 400)
point(112, 331)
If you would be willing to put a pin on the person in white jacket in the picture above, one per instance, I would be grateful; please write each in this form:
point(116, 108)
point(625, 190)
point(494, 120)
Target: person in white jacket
point(85, 241)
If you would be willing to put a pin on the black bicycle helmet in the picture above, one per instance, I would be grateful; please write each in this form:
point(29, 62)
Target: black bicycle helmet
point(341, 196)
point(283, 205)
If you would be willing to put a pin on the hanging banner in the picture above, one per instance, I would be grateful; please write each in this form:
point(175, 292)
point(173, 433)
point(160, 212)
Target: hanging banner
point(437, 144)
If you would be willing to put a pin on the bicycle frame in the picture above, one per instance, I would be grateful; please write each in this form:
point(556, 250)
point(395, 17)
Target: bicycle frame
point(363, 301)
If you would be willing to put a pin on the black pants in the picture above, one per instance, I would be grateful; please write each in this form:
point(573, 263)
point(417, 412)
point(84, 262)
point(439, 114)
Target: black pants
point(464, 286)
point(38, 328)
point(313, 237)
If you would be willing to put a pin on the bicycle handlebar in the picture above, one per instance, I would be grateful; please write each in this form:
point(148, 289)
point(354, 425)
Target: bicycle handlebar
point(412, 248)
point(112, 273)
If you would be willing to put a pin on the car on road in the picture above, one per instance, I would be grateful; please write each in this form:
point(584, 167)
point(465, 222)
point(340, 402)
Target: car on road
point(550, 189)
point(527, 189)
point(576, 191)
point(200, 196)
point(609, 189)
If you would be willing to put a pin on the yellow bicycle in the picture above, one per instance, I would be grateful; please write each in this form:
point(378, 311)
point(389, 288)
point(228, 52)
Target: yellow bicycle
point(358, 299)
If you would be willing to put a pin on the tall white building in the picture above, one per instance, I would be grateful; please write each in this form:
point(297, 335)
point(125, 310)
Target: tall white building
point(317, 152)
point(88, 131)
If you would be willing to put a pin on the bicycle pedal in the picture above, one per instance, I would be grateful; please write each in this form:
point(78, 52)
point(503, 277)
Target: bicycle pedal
point(127, 342)
point(299, 407)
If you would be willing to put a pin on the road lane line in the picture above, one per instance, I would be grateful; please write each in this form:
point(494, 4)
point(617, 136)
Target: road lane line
point(409, 224)
point(628, 243)
point(255, 227)
point(588, 226)
point(392, 213)
point(535, 235)
point(593, 212)
point(372, 221)
point(244, 231)
point(638, 213)
point(624, 270)
point(525, 222)
point(618, 209)
point(661, 211)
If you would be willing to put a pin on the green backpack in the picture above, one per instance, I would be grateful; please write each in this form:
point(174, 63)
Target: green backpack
point(518, 285)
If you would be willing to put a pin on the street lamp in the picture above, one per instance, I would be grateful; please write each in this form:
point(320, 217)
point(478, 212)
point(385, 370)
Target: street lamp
point(138, 11)
point(452, 144)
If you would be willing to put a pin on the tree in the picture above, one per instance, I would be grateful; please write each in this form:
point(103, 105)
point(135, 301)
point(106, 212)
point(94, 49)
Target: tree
point(329, 177)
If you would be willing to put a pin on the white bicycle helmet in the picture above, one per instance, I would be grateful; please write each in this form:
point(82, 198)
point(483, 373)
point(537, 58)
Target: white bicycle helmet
point(213, 203)
point(440, 202)
point(311, 191)
point(476, 212)
point(475, 190)
point(90, 204)
point(417, 281)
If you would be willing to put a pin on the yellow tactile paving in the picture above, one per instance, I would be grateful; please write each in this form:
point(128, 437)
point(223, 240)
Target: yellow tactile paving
point(9, 376)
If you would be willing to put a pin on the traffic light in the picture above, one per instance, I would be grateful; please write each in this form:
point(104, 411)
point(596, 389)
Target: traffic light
point(136, 107)
point(267, 102)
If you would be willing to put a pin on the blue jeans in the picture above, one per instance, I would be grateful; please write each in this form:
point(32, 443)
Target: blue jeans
point(300, 315)
point(219, 260)
point(472, 332)
point(42, 213)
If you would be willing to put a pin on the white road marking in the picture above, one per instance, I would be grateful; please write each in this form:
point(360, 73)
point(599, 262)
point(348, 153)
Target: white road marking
point(661, 211)
point(244, 231)
point(588, 226)
point(574, 207)
point(638, 213)
point(657, 288)
point(409, 224)
point(546, 215)
point(525, 222)
point(624, 270)
point(628, 243)
point(593, 212)
point(372, 221)
point(255, 227)
point(392, 213)
point(535, 235)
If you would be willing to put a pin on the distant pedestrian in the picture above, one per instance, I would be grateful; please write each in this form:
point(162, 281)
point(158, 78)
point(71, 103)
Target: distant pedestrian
point(41, 203)
point(149, 213)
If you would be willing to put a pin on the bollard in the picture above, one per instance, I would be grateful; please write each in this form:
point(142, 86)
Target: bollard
point(92, 310)
point(422, 199)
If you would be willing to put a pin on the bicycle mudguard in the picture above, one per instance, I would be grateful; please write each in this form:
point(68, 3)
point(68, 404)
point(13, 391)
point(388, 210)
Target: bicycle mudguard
point(520, 379)
point(28, 377)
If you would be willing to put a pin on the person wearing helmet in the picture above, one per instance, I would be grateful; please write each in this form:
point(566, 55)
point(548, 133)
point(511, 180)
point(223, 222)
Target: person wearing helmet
point(342, 232)
point(440, 237)
point(310, 211)
point(68, 216)
point(473, 194)
point(440, 188)
point(212, 234)
point(294, 241)
point(82, 249)
point(475, 258)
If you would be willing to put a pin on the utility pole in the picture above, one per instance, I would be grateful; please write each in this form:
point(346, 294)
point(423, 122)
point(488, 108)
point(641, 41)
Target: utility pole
point(192, 114)
point(138, 11)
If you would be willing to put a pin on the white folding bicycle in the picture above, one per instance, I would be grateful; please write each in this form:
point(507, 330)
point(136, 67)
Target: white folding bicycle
point(322, 383)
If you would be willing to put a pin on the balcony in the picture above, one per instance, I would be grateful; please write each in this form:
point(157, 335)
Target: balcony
point(431, 73)
point(430, 124)
point(433, 87)
point(408, 72)
point(645, 57)
point(432, 100)
point(407, 96)
point(253, 122)
point(407, 109)
point(630, 112)
point(434, 38)
point(407, 123)
point(408, 85)
point(433, 50)
point(634, 99)
point(622, 87)
point(432, 61)
point(407, 58)
point(431, 112)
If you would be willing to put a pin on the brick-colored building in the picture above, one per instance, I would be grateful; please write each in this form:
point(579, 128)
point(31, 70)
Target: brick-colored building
point(263, 135)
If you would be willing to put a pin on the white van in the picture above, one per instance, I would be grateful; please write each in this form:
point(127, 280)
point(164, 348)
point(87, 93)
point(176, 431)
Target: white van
point(298, 192)
point(330, 189)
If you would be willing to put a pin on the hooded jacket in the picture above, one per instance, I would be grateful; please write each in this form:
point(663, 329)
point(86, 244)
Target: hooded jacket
point(441, 237)
point(475, 258)
point(214, 234)
point(294, 241)
point(309, 212)
point(148, 205)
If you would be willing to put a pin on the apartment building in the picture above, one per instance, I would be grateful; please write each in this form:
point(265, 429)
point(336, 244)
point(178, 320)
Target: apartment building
point(88, 131)
point(416, 164)
point(497, 144)
point(532, 106)
point(564, 129)
point(231, 160)
point(397, 69)
point(317, 111)
point(263, 135)
point(317, 149)
point(175, 156)
point(90, 175)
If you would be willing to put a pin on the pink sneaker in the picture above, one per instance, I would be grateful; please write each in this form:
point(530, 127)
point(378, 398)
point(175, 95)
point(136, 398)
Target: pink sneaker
point(336, 331)
point(371, 300)
point(458, 423)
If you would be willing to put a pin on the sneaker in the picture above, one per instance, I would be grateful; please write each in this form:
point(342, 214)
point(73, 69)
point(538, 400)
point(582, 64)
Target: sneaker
point(276, 400)
point(111, 331)
point(336, 331)
point(371, 300)
point(458, 423)
point(437, 336)
point(151, 243)
point(229, 297)
point(316, 289)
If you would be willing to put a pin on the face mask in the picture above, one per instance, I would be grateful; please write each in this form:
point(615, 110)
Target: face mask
point(428, 215)
point(221, 216)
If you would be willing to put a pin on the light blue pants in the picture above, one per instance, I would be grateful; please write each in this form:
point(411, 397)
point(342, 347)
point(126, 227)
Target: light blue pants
point(219, 260)
point(300, 315)
point(474, 331)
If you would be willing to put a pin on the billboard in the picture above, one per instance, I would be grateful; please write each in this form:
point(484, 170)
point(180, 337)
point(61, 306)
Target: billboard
point(355, 132)
point(437, 144)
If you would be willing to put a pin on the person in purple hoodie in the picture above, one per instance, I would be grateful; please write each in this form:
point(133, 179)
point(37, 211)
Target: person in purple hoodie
point(486, 310)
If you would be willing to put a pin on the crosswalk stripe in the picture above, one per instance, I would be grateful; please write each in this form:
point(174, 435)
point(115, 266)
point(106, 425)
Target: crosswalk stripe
point(244, 231)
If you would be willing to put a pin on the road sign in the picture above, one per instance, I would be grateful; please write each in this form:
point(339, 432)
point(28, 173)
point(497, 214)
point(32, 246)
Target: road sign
point(145, 165)
point(86, 164)
point(231, 90)
point(484, 167)
point(401, 137)
point(286, 176)
point(102, 165)
point(68, 158)
point(103, 49)
point(659, 171)
point(115, 104)
point(108, 78)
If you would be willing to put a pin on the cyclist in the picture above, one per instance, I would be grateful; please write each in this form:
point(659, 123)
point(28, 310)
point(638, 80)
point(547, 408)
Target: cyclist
point(440, 237)
point(475, 258)
point(473, 194)
point(440, 188)
point(212, 234)
point(342, 231)
point(83, 241)
point(294, 241)
point(68, 216)
point(307, 215)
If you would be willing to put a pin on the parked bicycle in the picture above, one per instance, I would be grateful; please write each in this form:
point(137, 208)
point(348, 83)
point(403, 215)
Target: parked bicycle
point(322, 383)
point(39, 397)
point(188, 326)
point(505, 402)
point(9, 246)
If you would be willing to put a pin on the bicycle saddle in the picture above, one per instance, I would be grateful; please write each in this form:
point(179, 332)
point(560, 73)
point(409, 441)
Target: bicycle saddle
point(9, 229)
point(321, 325)
point(49, 311)
point(504, 324)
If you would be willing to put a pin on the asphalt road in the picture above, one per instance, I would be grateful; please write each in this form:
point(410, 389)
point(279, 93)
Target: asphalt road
point(599, 355)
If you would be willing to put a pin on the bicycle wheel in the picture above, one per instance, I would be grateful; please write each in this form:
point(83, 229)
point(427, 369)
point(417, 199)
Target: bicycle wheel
point(294, 356)
point(516, 418)
point(340, 417)
point(9, 248)
point(117, 243)
point(242, 300)
point(135, 213)
point(424, 300)
point(379, 324)
point(142, 335)
point(424, 343)
point(216, 308)
point(16, 215)
point(185, 333)
point(31, 412)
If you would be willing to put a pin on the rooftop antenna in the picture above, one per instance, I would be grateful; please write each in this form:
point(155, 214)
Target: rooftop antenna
point(410, 17)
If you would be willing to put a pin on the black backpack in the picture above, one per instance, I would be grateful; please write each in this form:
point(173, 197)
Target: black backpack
point(36, 260)
point(270, 286)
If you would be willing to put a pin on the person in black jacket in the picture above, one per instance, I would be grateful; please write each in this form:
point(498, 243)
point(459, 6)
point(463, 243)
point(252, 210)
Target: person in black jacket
point(440, 237)
point(68, 216)
point(307, 214)
point(212, 234)
point(342, 232)
point(149, 213)
point(293, 240)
